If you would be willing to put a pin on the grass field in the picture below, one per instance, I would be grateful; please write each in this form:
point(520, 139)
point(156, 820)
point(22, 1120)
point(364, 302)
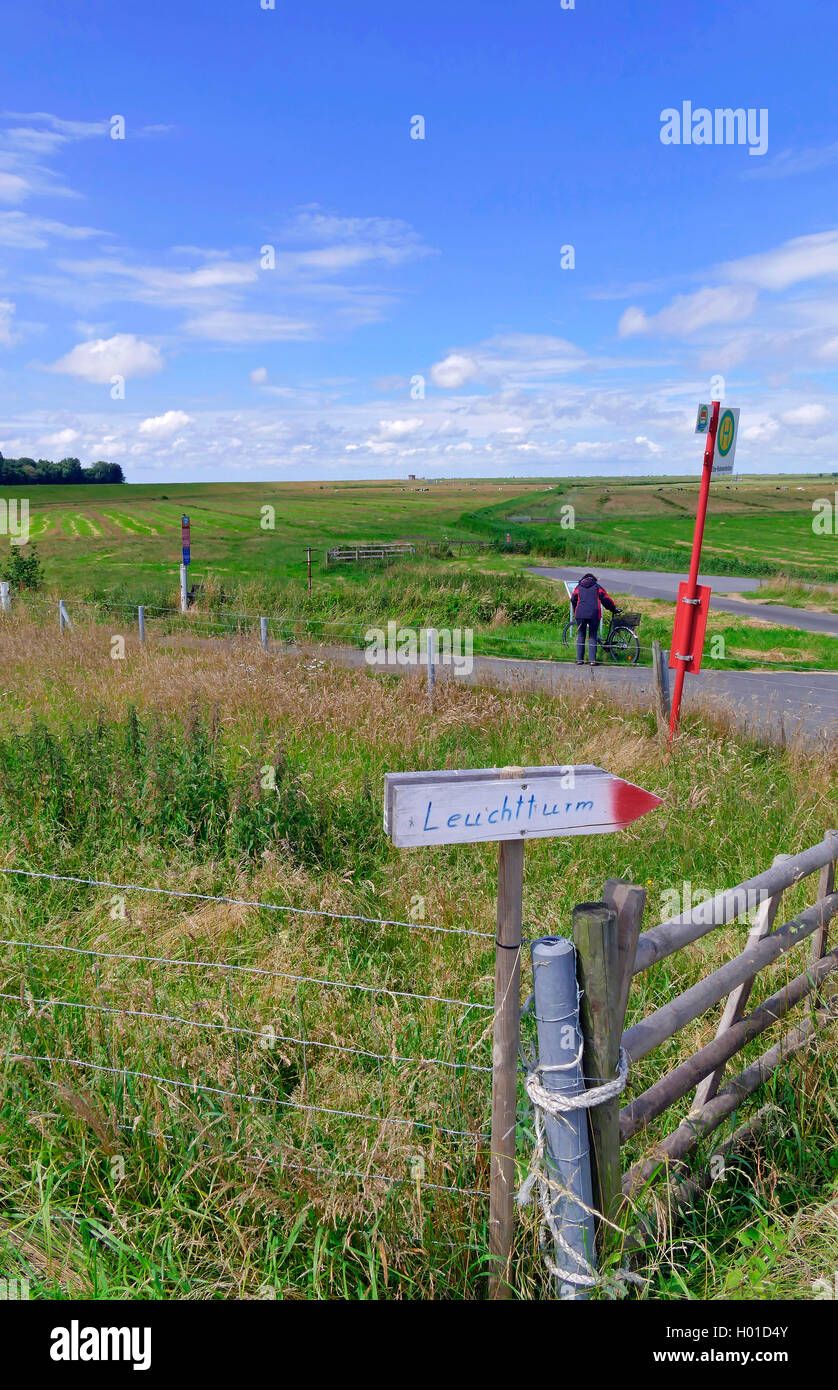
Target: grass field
point(754, 526)
point(122, 544)
point(151, 771)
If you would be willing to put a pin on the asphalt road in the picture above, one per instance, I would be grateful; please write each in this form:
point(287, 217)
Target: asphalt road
point(655, 584)
point(775, 705)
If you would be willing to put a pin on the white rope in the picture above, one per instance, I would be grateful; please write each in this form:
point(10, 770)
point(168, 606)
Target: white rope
point(558, 1104)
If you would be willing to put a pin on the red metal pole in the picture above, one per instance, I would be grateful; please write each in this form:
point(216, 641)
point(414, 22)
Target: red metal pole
point(695, 561)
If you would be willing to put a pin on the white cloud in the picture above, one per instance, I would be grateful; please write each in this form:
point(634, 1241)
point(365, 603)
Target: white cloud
point(33, 233)
point(122, 355)
point(761, 432)
point(803, 258)
point(7, 335)
point(259, 376)
point(13, 188)
point(62, 439)
point(808, 416)
point(399, 429)
point(688, 313)
point(243, 326)
point(453, 371)
point(519, 358)
point(162, 426)
point(633, 320)
point(649, 443)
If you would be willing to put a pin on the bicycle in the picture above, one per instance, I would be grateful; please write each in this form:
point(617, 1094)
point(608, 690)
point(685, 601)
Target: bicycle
point(619, 641)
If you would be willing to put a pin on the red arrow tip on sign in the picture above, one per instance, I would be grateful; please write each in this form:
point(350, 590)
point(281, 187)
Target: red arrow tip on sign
point(628, 802)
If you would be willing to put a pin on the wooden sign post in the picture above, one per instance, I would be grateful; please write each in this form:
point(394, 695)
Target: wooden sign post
point(510, 805)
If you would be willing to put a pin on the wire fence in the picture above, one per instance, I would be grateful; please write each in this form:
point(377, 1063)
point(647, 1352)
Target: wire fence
point(345, 1079)
point(293, 630)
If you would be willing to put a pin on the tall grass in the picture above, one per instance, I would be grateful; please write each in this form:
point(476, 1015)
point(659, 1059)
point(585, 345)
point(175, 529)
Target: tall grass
point(151, 770)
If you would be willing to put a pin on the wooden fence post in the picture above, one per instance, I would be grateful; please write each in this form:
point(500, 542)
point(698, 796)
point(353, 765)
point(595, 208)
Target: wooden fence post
point(595, 935)
point(507, 1028)
point(737, 1000)
point(628, 901)
point(826, 885)
point(663, 703)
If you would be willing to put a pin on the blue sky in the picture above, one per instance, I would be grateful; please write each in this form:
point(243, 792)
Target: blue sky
point(397, 258)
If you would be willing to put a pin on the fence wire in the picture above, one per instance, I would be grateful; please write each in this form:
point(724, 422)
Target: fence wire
point(291, 628)
point(150, 1056)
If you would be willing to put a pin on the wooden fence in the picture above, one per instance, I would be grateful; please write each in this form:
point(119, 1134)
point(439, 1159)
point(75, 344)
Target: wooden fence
point(611, 951)
point(375, 551)
point(357, 554)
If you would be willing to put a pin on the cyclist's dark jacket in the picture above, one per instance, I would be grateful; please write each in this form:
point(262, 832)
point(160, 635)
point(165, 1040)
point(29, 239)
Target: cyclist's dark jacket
point(587, 600)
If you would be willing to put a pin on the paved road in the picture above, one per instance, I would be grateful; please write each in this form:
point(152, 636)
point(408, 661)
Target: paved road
point(776, 705)
point(654, 584)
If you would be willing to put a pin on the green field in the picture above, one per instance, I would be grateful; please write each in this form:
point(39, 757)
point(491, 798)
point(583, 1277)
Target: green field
point(173, 1164)
point(115, 536)
point(122, 544)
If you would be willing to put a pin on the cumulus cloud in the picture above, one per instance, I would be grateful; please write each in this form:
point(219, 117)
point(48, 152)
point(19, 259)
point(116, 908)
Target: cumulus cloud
point(62, 439)
point(122, 355)
point(399, 429)
point(259, 376)
point(807, 416)
point(762, 431)
point(453, 371)
point(162, 426)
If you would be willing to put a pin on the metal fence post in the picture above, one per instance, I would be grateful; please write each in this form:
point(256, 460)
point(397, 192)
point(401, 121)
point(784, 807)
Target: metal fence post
point(431, 654)
point(63, 617)
point(567, 1156)
point(5, 600)
point(263, 630)
point(141, 622)
point(184, 592)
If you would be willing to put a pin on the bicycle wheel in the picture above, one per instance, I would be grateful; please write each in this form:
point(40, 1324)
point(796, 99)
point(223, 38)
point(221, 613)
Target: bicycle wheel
point(624, 646)
point(569, 634)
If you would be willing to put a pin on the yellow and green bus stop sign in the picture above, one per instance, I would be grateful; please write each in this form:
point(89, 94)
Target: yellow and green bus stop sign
point(726, 436)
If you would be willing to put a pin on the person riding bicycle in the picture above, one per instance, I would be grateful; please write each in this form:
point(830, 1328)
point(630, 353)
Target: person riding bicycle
point(586, 601)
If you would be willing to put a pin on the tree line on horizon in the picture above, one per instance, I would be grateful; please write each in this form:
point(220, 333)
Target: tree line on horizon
point(31, 472)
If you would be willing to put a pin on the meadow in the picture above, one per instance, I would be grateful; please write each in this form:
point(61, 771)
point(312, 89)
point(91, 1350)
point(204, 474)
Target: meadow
point(259, 778)
point(121, 545)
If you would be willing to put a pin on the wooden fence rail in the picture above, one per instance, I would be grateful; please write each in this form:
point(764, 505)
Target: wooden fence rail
point(731, 982)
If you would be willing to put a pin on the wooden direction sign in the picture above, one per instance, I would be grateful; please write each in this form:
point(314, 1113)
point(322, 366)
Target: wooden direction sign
point(445, 808)
point(512, 805)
